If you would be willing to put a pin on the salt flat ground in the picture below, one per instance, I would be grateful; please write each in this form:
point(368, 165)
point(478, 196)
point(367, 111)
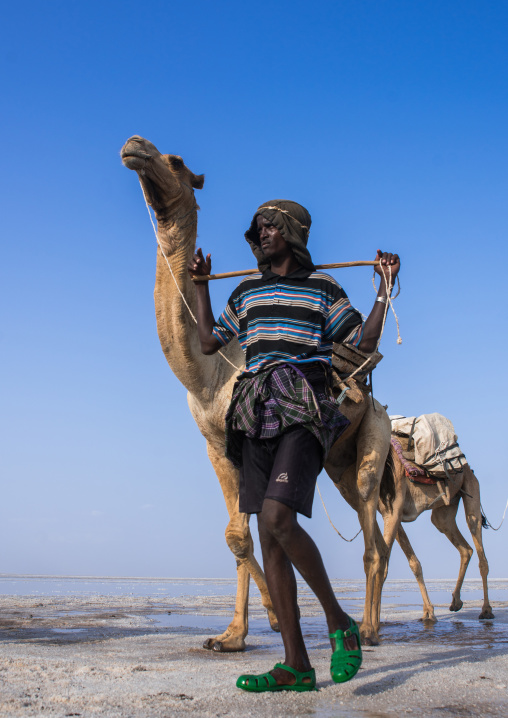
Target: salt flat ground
point(126, 647)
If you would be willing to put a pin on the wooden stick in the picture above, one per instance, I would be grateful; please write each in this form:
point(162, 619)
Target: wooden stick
point(336, 265)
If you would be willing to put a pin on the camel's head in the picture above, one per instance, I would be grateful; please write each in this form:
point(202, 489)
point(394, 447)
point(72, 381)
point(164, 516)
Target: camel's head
point(165, 178)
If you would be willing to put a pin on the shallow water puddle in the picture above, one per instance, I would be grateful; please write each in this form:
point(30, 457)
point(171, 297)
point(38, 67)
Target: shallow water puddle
point(449, 630)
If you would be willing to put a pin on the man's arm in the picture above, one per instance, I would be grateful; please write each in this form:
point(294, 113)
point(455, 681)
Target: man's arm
point(374, 322)
point(200, 266)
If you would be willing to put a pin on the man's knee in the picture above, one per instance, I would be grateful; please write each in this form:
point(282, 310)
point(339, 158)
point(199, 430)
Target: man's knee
point(277, 520)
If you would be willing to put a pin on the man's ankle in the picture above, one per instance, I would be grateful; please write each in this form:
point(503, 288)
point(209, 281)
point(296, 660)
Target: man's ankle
point(340, 622)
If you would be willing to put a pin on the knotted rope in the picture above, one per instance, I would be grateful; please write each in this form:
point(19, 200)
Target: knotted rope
point(388, 287)
point(284, 211)
point(390, 299)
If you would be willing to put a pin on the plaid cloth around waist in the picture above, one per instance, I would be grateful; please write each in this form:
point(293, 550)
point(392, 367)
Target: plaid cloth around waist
point(266, 404)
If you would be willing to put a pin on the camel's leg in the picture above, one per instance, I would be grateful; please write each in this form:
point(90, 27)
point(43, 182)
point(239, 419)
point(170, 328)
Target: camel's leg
point(473, 513)
point(240, 542)
point(393, 530)
point(374, 562)
point(416, 568)
point(349, 490)
point(372, 451)
point(384, 552)
point(443, 519)
point(391, 521)
point(391, 524)
point(392, 516)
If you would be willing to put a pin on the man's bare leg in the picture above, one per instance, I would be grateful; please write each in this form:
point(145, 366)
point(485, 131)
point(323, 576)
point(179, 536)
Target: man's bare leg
point(285, 542)
point(281, 582)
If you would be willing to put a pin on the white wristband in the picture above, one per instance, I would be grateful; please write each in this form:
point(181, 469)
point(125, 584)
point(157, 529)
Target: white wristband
point(383, 300)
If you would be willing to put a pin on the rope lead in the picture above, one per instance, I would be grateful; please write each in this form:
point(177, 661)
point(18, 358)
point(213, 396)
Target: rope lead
point(174, 278)
point(333, 525)
point(486, 523)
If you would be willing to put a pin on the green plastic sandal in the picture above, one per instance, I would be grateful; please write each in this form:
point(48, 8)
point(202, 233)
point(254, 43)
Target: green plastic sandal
point(345, 664)
point(266, 682)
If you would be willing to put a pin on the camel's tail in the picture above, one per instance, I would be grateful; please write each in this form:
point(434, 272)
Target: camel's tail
point(387, 488)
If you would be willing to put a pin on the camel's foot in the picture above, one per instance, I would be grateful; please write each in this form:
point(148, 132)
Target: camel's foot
point(227, 643)
point(486, 613)
point(429, 616)
point(369, 637)
point(456, 604)
point(274, 624)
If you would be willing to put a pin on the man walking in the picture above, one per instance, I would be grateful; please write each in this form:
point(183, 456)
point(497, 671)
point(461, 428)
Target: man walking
point(283, 420)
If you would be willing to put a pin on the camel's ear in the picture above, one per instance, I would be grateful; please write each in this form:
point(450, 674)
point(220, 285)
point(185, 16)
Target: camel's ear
point(198, 181)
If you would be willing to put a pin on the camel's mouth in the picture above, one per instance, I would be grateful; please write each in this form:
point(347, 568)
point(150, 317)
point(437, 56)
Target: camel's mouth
point(134, 159)
point(136, 152)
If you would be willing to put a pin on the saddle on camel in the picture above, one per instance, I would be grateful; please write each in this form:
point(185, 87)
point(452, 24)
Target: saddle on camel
point(428, 449)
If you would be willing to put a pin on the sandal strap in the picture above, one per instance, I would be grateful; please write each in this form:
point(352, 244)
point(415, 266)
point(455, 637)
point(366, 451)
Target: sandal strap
point(263, 680)
point(350, 657)
point(266, 676)
point(296, 673)
point(343, 634)
point(299, 675)
point(353, 630)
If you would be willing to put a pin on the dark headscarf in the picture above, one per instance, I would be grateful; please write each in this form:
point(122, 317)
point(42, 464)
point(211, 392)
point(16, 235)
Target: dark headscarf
point(293, 222)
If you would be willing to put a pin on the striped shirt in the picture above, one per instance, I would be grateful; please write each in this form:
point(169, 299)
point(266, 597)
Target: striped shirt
point(293, 319)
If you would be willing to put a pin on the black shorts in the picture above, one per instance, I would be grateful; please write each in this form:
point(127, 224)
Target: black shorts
point(284, 468)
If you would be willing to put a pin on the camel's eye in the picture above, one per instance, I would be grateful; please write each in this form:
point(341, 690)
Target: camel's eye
point(176, 163)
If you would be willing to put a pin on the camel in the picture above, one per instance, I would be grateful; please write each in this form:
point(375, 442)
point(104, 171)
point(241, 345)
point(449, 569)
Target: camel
point(412, 499)
point(356, 465)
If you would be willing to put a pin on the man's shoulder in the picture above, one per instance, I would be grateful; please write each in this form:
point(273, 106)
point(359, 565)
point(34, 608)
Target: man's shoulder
point(325, 280)
point(247, 283)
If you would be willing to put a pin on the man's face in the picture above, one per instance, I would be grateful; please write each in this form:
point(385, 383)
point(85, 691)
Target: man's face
point(272, 243)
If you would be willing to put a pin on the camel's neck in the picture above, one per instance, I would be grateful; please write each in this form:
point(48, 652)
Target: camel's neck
point(202, 375)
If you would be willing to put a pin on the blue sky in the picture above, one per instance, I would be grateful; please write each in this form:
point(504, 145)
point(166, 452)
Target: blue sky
point(386, 119)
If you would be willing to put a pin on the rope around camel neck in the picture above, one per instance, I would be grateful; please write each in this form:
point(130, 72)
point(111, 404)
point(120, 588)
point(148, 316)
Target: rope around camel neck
point(174, 278)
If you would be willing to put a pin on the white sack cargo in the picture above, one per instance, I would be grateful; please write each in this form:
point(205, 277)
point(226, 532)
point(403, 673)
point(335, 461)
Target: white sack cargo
point(435, 443)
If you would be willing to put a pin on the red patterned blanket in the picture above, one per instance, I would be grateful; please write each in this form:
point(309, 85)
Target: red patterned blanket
point(413, 472)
